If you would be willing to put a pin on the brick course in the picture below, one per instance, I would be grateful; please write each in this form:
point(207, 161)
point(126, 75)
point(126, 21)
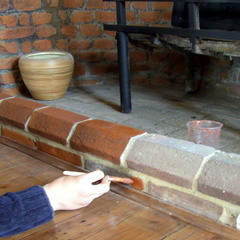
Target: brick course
point(26, 5)
point(169, 159)
point(219, 178)
point(53, 123)
point(186, 201)
point(193, 177)
point(19, 137)
point(60, 153)
point(21, 110)
point(103, 139)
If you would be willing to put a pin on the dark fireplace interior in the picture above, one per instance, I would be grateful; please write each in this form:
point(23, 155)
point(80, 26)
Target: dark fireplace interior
point(222, 16)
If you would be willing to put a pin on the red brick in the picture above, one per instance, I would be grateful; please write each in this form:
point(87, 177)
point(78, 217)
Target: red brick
point(46, 31)
point(79, 70)
point(106, 17)
point(62, 14)
point(220, 62)
point(160, 81)
point(18, 137)
point(136, 55)
point(181, 68)
point(72, 3)
point(176, 57)
point(112, 5)
point(111, 55)
point(110, 33)
point(4, 96)
point(96, 4)
point(60, 153)
point(90, 30)
point(69, 30)
point(9, 63)
point(24, 19)
point(137, 183)
point(16, 33)
point(26, 47)
point(62, 44)
point(158, 57)
point(167, 16)
point(143, 67)
point(103, 43)
point(130, 16)
point(82, 17)
point(10, 91)
point(99, 68)
point(103, 139)
point(54, 123)
point(21, 110)
point(9, 47)
point(8, 20)
point(89, 56)
point(53, 3)
point(162, 5)
point(80, 44)
point(220, 178)
point(8, 78)
point(140, 5)
point(150, 16)
point(41, 18)
point(186, 201)
point(42, 45)
point(27, 5)
point(4, 5)
point(224, 75)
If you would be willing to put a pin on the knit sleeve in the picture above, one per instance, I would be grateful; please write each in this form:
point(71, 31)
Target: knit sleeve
point(24, 210)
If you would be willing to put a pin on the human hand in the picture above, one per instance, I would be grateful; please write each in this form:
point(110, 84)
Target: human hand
point(69, 193)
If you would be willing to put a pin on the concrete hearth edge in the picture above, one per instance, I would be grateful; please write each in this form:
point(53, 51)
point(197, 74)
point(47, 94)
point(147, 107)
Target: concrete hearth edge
point(194, 177)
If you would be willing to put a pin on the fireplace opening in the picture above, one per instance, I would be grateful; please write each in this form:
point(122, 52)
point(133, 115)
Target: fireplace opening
point(221, 16)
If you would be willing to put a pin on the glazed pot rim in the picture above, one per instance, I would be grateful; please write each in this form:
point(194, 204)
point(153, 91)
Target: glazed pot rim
point(54, 54)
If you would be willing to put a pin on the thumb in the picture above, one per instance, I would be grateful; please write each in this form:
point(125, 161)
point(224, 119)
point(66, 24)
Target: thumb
point(93, 176)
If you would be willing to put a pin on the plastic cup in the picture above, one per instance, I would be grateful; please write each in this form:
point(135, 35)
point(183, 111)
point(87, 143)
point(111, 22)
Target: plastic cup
point(205, 132)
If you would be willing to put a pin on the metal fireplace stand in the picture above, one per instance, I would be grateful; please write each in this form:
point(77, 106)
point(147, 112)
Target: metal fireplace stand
point(193, 32)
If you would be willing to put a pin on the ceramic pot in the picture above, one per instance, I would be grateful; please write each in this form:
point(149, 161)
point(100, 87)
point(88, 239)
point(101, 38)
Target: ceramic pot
point(47, 74)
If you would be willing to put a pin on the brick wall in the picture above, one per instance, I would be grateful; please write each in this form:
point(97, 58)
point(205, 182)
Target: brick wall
point(76, 26)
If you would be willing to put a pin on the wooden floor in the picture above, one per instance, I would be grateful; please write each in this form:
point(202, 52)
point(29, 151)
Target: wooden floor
point(110, 217)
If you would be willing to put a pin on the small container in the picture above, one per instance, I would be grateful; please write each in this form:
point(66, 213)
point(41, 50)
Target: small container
point(205, 132)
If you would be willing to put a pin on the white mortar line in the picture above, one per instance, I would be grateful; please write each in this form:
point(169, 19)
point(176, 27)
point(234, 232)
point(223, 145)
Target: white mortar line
point(238, 222)
point(1, 100)
point(71, 132)
point(26, 124)
point(200, 170)
point(126, 151)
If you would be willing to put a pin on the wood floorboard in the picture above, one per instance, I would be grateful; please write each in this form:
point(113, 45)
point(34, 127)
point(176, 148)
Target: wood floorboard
point(110, 217)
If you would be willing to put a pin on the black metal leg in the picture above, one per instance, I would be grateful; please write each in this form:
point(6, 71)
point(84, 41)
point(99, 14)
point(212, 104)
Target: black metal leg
point(124, 72)
point(190, 81)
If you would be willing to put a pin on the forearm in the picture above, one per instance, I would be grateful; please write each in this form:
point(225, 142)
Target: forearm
point(24, 210)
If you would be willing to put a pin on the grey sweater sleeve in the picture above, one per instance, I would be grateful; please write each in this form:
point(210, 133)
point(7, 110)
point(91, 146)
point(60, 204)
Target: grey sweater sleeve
point(24, 210)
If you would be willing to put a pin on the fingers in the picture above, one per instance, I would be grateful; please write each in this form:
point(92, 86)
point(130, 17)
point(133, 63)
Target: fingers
point(105, 180)
point(96, 181)
point(101, 188)
point(93, 176)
